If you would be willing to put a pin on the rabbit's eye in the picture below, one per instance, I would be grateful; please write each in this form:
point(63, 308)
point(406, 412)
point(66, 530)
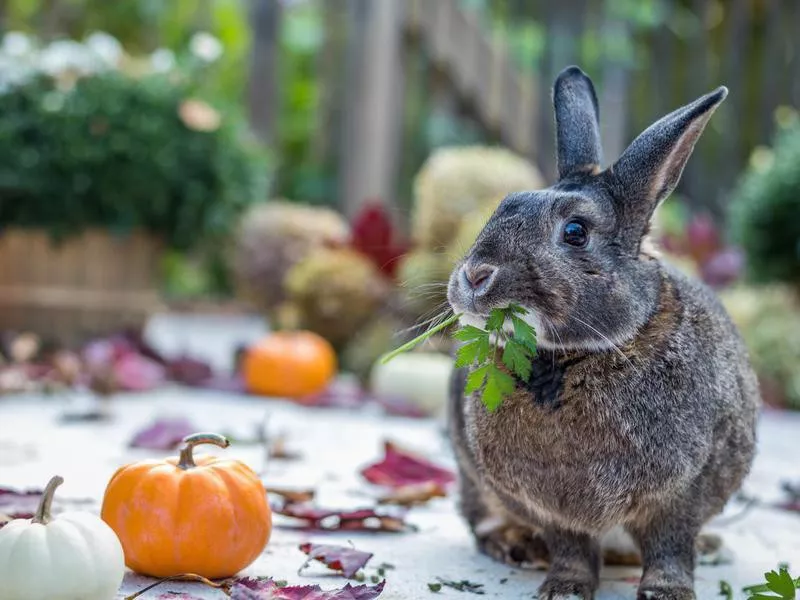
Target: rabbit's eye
point(575, 234)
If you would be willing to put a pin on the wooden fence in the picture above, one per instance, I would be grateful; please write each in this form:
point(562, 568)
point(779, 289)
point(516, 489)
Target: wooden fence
point(404, 58)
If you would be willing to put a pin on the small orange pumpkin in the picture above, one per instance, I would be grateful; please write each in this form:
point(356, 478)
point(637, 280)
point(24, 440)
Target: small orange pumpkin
point(289, 364)
point(207, 515)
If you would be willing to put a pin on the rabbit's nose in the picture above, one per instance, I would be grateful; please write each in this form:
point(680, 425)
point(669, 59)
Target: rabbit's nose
point(479, 278)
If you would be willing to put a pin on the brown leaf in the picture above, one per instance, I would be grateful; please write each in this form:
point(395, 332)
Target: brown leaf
point(414, 494)
point(365, 520)
point(291, 496)
point(269, 590)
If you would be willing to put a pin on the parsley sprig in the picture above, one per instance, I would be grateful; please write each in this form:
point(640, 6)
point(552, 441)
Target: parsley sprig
point(779, 586)
point(483, 347)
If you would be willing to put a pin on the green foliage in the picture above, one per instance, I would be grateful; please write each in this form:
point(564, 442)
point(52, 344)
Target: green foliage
point(114, 152)
point(763, 215)
point(482, 349)
point(779, 586)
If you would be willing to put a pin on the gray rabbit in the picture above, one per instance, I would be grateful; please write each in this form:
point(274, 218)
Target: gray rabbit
point(641, 410)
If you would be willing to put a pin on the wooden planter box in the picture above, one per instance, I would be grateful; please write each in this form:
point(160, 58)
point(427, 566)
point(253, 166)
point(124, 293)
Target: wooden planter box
point(92, 284)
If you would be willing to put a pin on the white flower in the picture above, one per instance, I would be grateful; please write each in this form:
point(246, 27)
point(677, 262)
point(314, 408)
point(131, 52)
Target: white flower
point(162, 60)
point(106, 46)
point(16, 43)
point(205, 46)
point(67, 55)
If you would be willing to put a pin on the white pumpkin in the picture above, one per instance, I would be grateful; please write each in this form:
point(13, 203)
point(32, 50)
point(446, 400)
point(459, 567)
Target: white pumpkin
point(422, 378)
point(74, 556)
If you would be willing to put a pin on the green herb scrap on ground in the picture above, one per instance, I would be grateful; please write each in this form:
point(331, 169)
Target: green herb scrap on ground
point(482, 348)
point(779, 586)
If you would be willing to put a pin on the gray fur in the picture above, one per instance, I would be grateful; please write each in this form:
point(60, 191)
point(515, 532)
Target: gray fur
point(642, 409)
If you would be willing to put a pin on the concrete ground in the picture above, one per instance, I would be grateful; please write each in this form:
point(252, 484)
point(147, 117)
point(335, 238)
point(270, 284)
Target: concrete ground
point(334, 444)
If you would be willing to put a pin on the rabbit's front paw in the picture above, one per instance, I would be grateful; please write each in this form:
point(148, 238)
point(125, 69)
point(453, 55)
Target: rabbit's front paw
point(515, 546)
point(567, 585)
point(665, 592)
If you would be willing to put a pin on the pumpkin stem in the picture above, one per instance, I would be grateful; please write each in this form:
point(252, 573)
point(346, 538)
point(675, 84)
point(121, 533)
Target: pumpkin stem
point(43, 515)
point(186, 460)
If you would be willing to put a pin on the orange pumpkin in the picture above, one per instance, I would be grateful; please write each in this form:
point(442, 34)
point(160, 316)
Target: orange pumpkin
point(207, 515)
point(290, 364)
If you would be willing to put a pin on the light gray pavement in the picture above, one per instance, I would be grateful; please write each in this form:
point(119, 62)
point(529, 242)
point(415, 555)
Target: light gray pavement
point(335, 444)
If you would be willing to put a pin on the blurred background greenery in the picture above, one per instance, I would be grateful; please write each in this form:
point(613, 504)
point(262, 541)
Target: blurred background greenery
point(326, 161)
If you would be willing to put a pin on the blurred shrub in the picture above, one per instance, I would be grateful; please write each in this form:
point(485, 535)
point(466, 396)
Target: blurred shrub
point(274, 236)
point(455, 181)
point(769, 320)
point(764, 212)
point(83, 144)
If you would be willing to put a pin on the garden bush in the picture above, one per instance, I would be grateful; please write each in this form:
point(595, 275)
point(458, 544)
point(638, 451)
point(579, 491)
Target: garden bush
point(764, 213)
point(123, 152)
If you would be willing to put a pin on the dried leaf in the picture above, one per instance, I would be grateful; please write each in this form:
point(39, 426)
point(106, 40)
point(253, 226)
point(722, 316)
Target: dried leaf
point(339, 558)
point(341, 393)
point(189, 371)
point(399, 406)
point(163, 434)
point(278, 450)
point(15, 504)
point(182, 577)
point(414, 494)
point(269, 590)
point(312, 518)
point(134, 372)
point(291, 496)
point(400, 468)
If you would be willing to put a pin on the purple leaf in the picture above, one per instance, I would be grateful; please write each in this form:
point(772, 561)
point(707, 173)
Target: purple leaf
point(15, 504)
point(269, 590)
point(338, 558)
point(189, 371)
point(723, 268)
point(400, 468)
point(134, 372)
point(163, 434)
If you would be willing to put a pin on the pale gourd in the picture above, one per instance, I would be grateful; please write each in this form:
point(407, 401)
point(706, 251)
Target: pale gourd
point(72, 556)
point(421, 378)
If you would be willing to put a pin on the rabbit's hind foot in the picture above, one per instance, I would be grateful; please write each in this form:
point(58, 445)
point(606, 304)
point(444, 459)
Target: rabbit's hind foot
point(567, 586)
point(512, 544)
point(667, 592)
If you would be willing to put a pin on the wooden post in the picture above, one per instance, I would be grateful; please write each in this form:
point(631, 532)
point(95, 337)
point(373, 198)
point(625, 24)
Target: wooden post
point(374, 107)
point(262, 92)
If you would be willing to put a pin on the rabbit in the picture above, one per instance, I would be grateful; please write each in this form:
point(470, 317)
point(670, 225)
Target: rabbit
point(640, 414)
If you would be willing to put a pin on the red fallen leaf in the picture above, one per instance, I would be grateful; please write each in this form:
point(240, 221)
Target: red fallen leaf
point(163, 434)
point(338, 558)
point(401, 468)
point(268, 589)
point(320, 519)
point(189, 371)
point(15, 504)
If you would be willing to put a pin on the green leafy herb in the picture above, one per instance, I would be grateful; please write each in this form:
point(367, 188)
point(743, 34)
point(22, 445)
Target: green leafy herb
point(461, 586)
point(779, 585)
point(419, 339)
point(482, 349)
point(726, 590)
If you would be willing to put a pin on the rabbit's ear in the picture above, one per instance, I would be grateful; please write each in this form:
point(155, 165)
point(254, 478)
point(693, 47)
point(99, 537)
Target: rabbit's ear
point(577, 123)
point(652, 165)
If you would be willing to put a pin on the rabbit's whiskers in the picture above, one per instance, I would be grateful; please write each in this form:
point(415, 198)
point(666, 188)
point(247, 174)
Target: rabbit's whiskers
point(614, 346)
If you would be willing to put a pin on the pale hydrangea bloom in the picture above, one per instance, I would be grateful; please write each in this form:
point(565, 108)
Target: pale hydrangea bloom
point(106, 46)
point(162, 60)
point(205, 46)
